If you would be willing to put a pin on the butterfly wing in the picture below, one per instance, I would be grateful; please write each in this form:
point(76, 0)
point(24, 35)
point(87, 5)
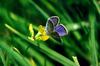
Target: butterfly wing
point(56, 36)
point(61, 30)
point(54, 20)
point(49, 27)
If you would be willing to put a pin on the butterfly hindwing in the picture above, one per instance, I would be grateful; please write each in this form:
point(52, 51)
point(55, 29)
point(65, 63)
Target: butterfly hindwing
point(61, 30)
point(56, 36)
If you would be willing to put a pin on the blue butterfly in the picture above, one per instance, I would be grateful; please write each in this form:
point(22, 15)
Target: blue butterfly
point(53, 27)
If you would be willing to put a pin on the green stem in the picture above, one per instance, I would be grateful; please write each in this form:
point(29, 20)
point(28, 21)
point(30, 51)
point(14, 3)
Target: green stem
point(76, 60)
point(92, 40)
point(2, 57)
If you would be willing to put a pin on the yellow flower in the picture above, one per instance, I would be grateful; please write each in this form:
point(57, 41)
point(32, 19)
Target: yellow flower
point(31, 37)
point(41, 35)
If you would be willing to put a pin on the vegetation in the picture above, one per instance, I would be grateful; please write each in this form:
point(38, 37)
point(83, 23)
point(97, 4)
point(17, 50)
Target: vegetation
point(79, 48)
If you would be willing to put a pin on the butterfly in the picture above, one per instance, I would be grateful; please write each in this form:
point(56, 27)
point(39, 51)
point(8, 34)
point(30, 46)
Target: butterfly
point(54, 28)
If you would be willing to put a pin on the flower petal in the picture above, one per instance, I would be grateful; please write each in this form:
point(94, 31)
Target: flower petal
point(31, 30)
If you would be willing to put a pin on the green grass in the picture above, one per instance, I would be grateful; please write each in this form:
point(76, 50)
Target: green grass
point(92, 40)
point(79, 48)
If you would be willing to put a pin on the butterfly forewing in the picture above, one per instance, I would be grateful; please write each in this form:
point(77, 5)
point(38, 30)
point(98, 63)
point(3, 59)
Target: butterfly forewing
point(49, 27)
point(54, 20)
point(61, 30)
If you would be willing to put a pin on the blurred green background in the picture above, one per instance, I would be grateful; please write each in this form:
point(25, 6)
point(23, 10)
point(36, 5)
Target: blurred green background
point(81, 17)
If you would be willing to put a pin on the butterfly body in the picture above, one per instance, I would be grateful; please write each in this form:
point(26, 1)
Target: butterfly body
point(54, 27)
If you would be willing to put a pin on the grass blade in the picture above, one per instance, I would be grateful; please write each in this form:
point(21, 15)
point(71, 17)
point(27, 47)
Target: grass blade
point(92, 40)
